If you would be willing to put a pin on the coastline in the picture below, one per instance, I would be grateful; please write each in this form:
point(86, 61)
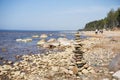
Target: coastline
point(98, 49)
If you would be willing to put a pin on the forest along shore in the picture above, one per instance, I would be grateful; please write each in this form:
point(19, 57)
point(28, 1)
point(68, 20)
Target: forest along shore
point(99, 50)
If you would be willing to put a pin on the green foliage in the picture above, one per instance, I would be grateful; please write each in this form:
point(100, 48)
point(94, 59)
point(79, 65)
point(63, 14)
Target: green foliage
point(112, 20)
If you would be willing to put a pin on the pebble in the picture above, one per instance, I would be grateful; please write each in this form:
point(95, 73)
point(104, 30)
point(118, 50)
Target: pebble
point(85, 71)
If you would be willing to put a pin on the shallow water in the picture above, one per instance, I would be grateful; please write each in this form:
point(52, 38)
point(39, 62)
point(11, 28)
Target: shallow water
point(9, 48)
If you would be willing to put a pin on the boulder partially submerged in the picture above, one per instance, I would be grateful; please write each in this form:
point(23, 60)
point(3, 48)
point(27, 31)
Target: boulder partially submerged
point(35, 36)
point(24, 40)
point(43, 36)
point(41, 42)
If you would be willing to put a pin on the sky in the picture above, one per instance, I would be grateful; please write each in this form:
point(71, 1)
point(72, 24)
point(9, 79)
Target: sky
point(52, 14)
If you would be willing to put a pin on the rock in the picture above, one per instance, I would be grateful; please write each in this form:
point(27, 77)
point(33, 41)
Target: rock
point(75, 70)
point(41, 42)
point(91, 71)
point(10, 62)
point(27, 40)
point(35, 36)
point(17, 73)
point(115, 63)
point(34, 77)
point(1, 58)
point(85, 71)
point(55, 68)
point(86, 66)
point(43, 36)
point(18, 40)
point(117, 75)
point(56, 44)
point(70, 72)
point(79, 73)
point(6, 67)
point(16, 64)
point(22, 74)
point(89, 68)
point(105, 79)
point(64, 41)
point(51, 40)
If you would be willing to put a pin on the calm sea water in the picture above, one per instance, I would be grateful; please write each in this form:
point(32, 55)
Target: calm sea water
point(9, 48)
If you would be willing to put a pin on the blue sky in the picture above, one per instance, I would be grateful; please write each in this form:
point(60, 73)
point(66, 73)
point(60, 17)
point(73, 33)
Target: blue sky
point(52, 14)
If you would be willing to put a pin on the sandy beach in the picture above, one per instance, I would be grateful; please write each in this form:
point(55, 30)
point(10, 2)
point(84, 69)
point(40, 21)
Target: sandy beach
point(99, 50)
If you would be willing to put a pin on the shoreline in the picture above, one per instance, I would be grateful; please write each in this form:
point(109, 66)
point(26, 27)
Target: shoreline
point(99, 50)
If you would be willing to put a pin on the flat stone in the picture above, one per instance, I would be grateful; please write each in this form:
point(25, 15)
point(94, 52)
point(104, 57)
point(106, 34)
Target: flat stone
point(92, 71)
point(7, 67)
point(54, 68)
point(85, 71)
point(116, 74)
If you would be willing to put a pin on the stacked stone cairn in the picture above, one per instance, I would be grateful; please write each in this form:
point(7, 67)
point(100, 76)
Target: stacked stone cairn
point(80, 63)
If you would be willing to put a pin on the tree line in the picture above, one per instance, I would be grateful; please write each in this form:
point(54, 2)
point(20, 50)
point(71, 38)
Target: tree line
point(111, 21)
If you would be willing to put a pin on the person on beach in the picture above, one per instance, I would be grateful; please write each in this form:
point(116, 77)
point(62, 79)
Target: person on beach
point(101, 31)
point(96, 31)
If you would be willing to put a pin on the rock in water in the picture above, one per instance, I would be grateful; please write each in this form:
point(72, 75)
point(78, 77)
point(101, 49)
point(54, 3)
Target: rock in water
point(41, 42)
point(117, 75)
point(115, 63)
point(43, 36)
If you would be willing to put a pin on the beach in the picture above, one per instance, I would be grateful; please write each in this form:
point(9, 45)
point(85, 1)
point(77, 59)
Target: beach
point(99, 50)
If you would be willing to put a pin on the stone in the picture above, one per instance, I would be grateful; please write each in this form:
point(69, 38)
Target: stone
point(115, 63)
point(117, 75)
point(27, 40)
point(64, 41)
point(41, 42)
point(16, 64)
point(10, 62)
point(85, 71)
point(86, 66)
point(35, 36)
point(17, 73)
point(34, 77)
point(51, 40)
point(70, 72)
point(22, 74)
point(92, 71)
point(55, 68)
point(79, 73)
point(7, 67)
point(89, 68)
point(75, 70)
point(43, 36)
point(105, 79)
point(18, 40)
point(56, 44)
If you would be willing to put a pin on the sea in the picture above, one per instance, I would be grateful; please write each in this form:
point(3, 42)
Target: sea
point(9, 47)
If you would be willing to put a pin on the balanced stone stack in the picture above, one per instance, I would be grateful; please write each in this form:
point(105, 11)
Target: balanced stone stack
point(80, 66)
point(78, 53)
